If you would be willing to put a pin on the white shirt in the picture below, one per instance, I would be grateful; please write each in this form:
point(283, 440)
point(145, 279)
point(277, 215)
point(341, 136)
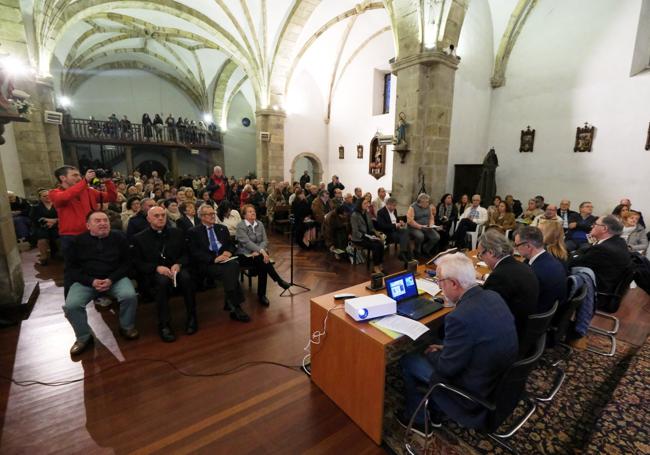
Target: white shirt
point(482, 214)
point(249, 224)
point(393, 218)
point(531, 260)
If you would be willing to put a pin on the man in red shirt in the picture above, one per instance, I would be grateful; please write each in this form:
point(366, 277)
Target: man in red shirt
point(73, 199)
point(218, 185)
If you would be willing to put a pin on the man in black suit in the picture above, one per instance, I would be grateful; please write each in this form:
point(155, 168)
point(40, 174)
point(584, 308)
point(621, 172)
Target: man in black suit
point(609, 257)
point(396, 231)
point(551, 274)
point(566, 213)
point(580, 225)
point(212, 250)
point(188, 220)
point(513, 280)
point(138, 222)
point(161, 259)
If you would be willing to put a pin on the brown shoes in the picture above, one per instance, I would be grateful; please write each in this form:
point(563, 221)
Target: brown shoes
point(129, 334)
point(579, 344)
point(80, 346)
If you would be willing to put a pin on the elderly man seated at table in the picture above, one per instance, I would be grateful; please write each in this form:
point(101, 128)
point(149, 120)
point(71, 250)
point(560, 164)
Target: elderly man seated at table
point(480, 344)
point(549, 216)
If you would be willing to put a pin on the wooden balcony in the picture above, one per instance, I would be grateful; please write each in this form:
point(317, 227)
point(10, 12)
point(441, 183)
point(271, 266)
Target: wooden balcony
point(75, 130)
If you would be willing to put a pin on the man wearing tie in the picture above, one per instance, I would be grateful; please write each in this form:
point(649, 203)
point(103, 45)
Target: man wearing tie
point(212, 250)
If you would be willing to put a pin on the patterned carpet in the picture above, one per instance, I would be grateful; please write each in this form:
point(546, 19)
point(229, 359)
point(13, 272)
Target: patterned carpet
point(563, 426)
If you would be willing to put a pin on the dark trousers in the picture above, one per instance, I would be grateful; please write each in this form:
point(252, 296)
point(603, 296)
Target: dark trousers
point(376, 247)
point(163, 287)
point(464, 226)
point(262, 270)
point(400, 236)
point(66, 244)
point(228, 273)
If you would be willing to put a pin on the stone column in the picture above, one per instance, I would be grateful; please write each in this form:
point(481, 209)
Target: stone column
point(216, 158)
point(425, 92)
point(11, 275)
point(128, 157)
point(173, 164)
point(270, 154)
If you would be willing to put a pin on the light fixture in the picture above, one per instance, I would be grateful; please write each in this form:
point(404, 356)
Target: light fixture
point(276, 107)
point(65, 101)
point(207, 118)
point(14, 66)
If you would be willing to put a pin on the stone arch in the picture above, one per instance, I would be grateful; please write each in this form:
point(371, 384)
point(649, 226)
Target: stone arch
point(316, 163)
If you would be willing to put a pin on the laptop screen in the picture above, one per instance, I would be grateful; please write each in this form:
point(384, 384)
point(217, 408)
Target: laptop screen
point(401, 287)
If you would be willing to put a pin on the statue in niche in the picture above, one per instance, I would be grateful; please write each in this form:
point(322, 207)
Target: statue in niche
point(487, 185)
point(377, 165)
point(400, 140)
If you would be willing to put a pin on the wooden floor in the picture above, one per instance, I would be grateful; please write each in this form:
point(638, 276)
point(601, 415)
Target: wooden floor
point(129, 403)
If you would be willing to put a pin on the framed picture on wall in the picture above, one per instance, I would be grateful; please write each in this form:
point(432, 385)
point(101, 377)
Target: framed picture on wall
point(647, 140)
point(527, 141)
point(360, 151)
point(341, 152)
point(584, 138)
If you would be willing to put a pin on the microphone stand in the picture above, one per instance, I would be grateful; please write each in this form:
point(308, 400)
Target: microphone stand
point(292, 221)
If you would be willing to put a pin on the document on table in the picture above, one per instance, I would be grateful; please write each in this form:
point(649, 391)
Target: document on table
point(400, 324)
point(428, 286)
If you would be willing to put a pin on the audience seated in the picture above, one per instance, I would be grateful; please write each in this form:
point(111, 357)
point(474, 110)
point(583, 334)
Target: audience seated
point(275, 199)
point(473, 217)
point(511, 279)
point(502, 218)
point(421, 226)
point(620, 211)
point(305, 231)
point(380, 201)
point(20, 214)
point(579, 226)
point(364, 235)
point(252, 251)
point(515, 205)
point(549, 216)
point(131, 208)
point(628, 204)
point(98, 262)
point(480, 343)
point(188, 218)
point(162, 260)
point(321, 206)
point(446, 214)
point(336, 230)
point(462, 204)
point(633, 233)
point(337, 201)
point(566, 213)
point(211, 253)
point(554, 241)
point(228, 217)
point(45, 226)
point(313, 193)
point(396, 231)
point(333, 185)
point(348, 203)
point(551, 273)
point(173, 214)
point(530, 213)
point(138, 222)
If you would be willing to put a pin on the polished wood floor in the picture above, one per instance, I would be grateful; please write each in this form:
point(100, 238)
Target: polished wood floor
point(130, 402)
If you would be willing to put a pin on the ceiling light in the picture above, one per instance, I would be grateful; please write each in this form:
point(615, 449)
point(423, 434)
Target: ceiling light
point(65, 101)
point(208, 118)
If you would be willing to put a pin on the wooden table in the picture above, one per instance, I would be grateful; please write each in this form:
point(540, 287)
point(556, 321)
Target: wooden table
point(349, 364)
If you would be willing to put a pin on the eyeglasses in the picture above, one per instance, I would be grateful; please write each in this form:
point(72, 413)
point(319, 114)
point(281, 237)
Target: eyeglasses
point(208, 214)
point(517, 245)
point(600, 224)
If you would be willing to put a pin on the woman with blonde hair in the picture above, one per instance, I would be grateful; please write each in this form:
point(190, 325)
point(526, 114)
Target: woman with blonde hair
point(554, 241)
point(189, 195)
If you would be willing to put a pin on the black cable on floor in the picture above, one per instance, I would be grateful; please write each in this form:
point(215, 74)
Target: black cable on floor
point(236, 369)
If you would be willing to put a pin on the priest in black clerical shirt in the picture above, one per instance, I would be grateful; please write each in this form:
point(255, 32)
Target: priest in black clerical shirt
point(161, 259)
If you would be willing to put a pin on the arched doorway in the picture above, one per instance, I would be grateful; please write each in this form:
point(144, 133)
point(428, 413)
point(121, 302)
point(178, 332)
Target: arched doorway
point(146, 167)
point(307, 162)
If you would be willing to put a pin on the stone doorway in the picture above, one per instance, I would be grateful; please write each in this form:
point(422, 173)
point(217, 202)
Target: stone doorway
point(146, 167)
point(310, 162)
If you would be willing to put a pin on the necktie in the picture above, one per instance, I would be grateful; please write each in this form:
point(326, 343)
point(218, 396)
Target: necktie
point(214, 243)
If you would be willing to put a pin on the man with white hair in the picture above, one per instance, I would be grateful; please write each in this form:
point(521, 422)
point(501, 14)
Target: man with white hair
point(480, 344)
point(218, 185)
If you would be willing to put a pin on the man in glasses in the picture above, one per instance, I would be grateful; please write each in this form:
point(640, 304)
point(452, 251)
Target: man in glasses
point(161, 260)
point(473, 217)
point(551, 274)
point(480, 344)
point(211, 250)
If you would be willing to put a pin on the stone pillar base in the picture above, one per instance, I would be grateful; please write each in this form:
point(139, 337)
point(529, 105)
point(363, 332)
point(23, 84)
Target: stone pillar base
point(270, 153)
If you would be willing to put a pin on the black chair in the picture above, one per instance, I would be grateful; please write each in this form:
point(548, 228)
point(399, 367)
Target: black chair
point(557, 334)
point(536, 326)
point(504, 400)
point(609, 303)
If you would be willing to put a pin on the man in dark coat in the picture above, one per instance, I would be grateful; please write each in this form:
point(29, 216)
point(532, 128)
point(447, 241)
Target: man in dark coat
point(212, 255)
point(161, 259)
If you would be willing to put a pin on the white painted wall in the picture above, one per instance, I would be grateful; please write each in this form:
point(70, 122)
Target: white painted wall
point(131, 93)
point(238, 141)
point(569, 66)
point(11, 163)
point(472, 91)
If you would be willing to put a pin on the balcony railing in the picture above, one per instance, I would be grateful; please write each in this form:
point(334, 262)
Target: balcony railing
point(112, 132)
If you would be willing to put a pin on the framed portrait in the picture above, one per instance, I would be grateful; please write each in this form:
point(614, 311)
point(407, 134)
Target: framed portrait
point(341, 152)
point(360, 151)
point(527, 141)
point(377, 159)
point(584, 138)
point(647, 140)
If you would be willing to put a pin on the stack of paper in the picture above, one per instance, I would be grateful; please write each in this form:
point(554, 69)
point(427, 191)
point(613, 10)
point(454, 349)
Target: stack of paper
point(428, 286)
point(400, 324)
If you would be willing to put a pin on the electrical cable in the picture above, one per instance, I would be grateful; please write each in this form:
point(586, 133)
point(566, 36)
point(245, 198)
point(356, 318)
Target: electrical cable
point(315, 338)
point(233, 370)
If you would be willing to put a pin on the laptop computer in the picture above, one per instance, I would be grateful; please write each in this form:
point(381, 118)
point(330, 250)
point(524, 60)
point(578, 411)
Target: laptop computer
point(404, 290)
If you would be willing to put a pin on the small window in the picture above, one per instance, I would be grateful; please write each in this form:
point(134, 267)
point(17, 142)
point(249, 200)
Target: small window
point(387, 79)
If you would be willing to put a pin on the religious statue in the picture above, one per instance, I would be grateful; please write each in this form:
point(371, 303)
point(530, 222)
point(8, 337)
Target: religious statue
point(487, 185)
point(400, 131)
